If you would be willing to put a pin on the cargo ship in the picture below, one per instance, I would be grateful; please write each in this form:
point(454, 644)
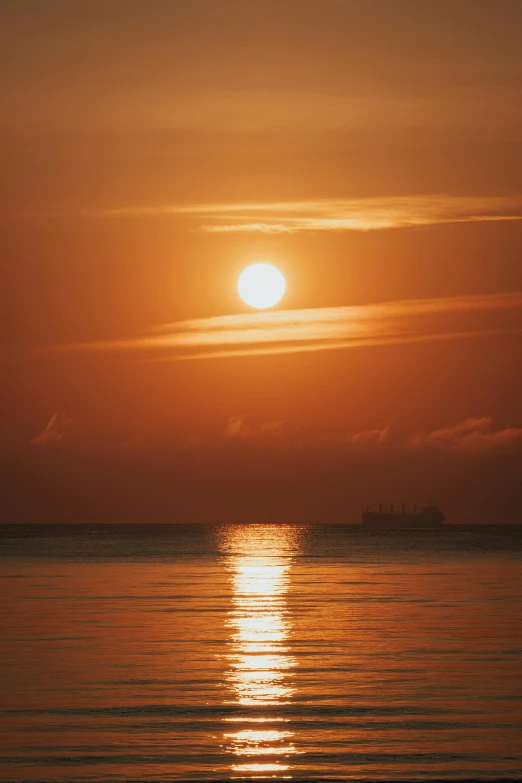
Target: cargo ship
point(426, 516)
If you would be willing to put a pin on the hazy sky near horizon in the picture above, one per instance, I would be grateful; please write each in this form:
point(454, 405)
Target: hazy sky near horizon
point(151, 150)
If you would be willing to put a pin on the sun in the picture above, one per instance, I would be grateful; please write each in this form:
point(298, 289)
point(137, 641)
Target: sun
point(261, 285)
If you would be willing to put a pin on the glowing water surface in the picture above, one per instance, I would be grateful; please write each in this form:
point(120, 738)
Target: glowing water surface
point(260, 652)
point(259, 659)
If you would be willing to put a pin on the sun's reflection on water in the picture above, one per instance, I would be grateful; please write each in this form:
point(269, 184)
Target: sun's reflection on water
point(259, 659)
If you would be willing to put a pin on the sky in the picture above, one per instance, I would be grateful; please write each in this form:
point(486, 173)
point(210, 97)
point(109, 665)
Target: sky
point(151, 150)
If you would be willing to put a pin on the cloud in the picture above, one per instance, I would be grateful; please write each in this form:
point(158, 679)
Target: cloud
point(471, 436)
point(236, 428)
point(242, 428)
point(54, 431)
point(293, 435)
point(319, 329)
point(363, 214)
point(370, 438)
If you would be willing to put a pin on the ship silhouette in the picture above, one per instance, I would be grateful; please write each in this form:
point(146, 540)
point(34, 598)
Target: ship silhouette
point(426, 516)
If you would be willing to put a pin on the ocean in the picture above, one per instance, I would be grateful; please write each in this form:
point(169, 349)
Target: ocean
point(260, 652)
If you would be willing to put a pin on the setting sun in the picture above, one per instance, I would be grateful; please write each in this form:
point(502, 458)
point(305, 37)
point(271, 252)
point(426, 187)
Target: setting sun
point(261, 285)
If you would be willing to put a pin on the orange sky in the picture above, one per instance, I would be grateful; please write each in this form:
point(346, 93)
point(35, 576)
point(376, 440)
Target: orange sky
point(151, 150)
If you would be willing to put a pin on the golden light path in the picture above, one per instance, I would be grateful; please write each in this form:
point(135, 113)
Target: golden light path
point(259, 662)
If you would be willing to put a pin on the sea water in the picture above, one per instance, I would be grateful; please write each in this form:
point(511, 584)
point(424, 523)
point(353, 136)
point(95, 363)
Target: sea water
point(253, 652)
